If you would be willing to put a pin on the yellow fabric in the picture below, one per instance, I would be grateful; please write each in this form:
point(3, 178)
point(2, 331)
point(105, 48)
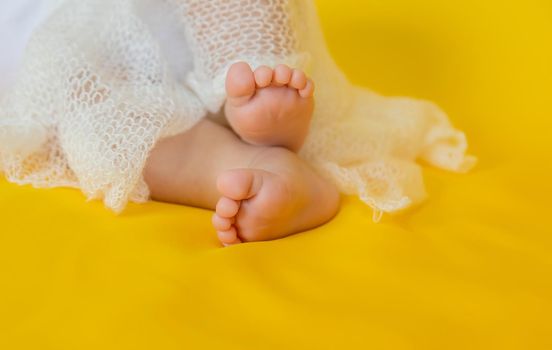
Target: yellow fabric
point(470, 268)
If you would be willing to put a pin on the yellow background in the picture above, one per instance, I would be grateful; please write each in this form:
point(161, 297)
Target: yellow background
point(471, 268)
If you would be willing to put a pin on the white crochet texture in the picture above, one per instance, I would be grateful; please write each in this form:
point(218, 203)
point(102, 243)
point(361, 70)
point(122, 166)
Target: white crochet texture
point(103, 81)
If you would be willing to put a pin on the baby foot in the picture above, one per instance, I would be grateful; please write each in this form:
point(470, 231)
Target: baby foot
point(260, 204)
point(269, 107)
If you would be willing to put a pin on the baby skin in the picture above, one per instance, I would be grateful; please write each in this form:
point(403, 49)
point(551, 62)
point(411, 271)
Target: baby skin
point(249, 174)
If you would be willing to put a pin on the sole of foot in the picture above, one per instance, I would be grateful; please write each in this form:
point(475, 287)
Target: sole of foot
point(279, 196)
point(269, 107)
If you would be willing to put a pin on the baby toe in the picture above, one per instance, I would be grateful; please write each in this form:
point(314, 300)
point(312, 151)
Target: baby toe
point(282, 75)
point(298, 79)
point(240, 184)
point(220, 223)
point(240, 81)
point(228, 237)
point(227, 208)
point(263, 76)
point(308, 90)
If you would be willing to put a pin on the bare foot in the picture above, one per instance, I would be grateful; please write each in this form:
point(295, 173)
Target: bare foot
point(277, 197)
point(269, 107)
point(263, 192)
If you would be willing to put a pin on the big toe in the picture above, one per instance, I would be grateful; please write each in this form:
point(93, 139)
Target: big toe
point(240, 184)
point(240, 81)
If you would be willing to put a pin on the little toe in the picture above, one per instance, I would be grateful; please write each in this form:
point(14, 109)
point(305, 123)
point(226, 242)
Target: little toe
point(240, 81)
point(220, 223)
point(298, 80)
point(308, 90)
point(228, 237)
point(227, 208)
point(263, 76)
point(282, 75)
point(240, 184)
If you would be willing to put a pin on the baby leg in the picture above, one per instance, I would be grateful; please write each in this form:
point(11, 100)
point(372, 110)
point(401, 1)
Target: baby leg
point(271, 106)
point(259, 193)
